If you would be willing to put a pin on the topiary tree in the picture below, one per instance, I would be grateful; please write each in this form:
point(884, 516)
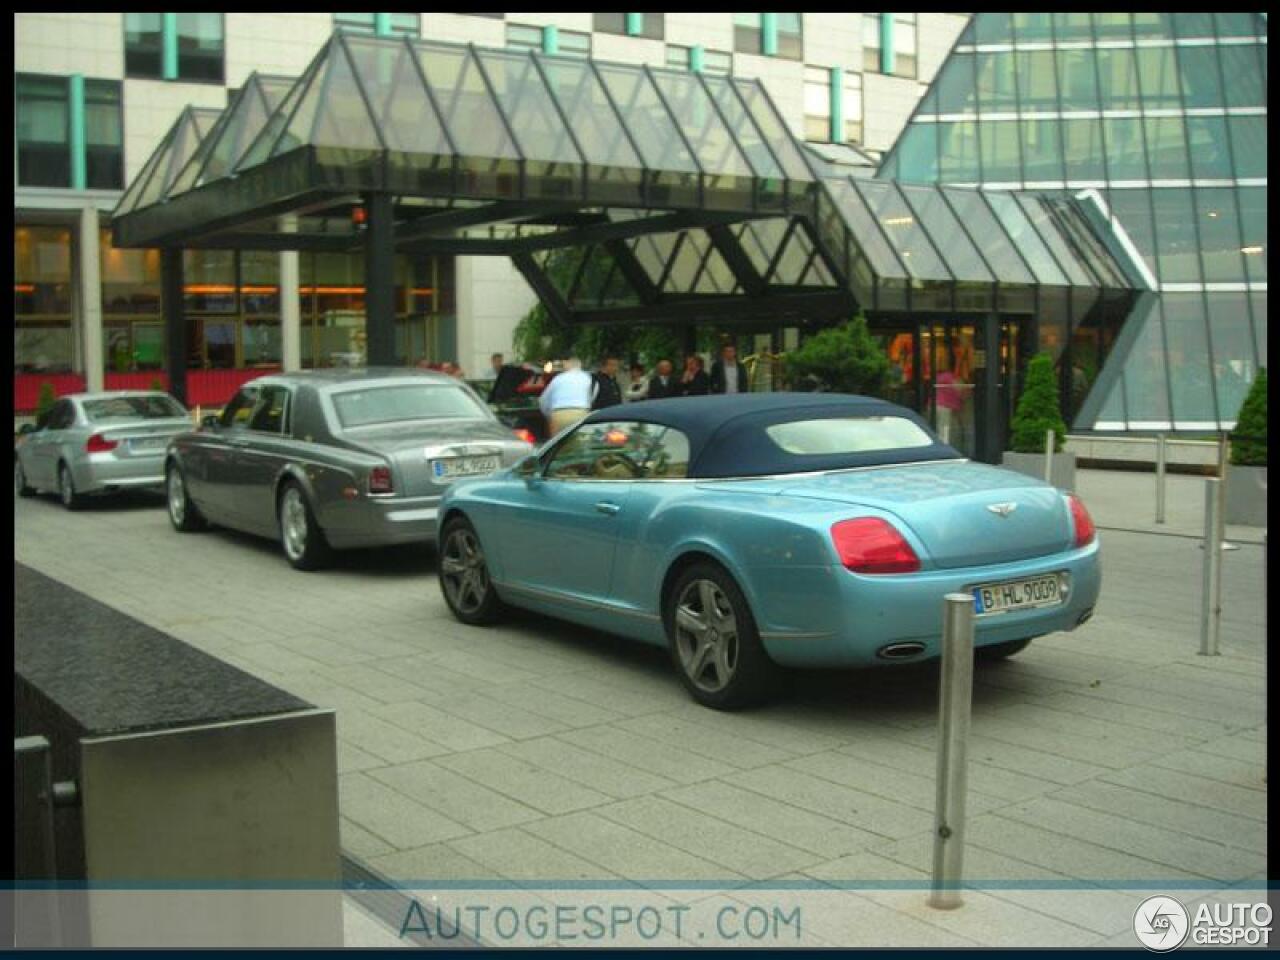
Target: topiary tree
point(1249, 438)
point(157, 384)
point(1038, 409)
point(844, 358)
point(46, 399)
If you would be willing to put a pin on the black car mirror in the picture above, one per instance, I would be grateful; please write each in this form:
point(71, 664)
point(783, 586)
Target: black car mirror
point(528, 468)
point(26, 428)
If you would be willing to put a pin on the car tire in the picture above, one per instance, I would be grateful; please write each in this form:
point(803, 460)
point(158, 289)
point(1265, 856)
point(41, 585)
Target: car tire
point(67, 488)
point(464, 575)
point(20, 485)
point(183, 513)
point(726, 666)
point(1001, 651)
point(301, 538)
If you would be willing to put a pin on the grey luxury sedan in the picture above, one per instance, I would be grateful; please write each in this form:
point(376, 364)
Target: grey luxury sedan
point(334, 459)
point(90, 443)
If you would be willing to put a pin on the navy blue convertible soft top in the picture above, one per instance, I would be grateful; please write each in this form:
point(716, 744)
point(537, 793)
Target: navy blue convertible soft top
point(727, 432)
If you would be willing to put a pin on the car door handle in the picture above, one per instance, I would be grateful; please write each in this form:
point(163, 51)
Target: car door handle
point(605, 507)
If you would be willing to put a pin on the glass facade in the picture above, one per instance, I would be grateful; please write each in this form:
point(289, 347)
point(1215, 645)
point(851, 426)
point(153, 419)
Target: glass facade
point(1164, 115)
point(43, 339)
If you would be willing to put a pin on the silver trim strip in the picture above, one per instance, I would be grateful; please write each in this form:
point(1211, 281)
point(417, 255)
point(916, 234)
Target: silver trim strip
point(574, 601)
point(797, 635)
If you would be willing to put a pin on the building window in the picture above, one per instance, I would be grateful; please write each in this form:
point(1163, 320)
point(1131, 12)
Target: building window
point(132, 325)
point(143, 45)
point(817, 104)
point(200, 47)
point(43, 131)
point(775, 34)
point(871, 56)
point(401, 24)
point(904, 45)
point(852, 107)
point(747, 35)
point(104, 135)
point(713, 61)
point(196, 40)
point(650, 25)
point(790, 40)
point(42, 336)
point(571, 43)
point(524, 38)
point(900, 59)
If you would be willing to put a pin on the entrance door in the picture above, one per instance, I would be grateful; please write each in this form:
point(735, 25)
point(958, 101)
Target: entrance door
point(951, 397)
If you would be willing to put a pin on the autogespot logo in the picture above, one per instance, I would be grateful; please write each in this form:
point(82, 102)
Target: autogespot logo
point(1161, 923)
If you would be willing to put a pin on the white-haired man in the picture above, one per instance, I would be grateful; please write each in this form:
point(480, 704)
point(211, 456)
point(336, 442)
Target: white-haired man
point(567, 399)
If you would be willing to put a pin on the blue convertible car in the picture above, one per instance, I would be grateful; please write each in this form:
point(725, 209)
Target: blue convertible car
point(744, 531)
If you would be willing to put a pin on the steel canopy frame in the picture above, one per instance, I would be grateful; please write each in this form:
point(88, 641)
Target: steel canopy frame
point(557, 156)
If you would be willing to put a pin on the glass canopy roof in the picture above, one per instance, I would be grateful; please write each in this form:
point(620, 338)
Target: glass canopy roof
point(661, 186)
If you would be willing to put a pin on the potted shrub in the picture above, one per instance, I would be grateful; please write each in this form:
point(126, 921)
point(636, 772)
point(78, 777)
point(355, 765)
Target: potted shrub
point(1037, 413)
point(46, 399)
point(1246, 493)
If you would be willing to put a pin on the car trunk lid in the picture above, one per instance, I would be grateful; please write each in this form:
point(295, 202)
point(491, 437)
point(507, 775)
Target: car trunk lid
point(964, 514)
point(141, 437)
point(412, 447)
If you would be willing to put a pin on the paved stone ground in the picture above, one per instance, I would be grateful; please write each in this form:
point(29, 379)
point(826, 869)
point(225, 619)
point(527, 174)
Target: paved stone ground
point(541, 753)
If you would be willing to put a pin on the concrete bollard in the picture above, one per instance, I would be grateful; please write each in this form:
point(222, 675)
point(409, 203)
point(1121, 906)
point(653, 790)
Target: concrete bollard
point(1160, 474)
point(955, 705)
point(1211, 596)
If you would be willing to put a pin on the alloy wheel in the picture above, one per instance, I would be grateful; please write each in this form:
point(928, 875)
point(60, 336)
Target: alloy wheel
point(177, 498)
point(706, 629)
point(293, 523)
point(66, 489)
point(19, 478)
point(462, 568)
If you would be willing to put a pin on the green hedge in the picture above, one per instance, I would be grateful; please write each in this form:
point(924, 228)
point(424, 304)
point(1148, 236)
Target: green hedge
point(1038, 410)
point(1249, 439)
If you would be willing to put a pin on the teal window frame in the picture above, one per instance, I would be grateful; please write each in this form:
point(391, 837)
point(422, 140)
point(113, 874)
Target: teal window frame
point(154, 49)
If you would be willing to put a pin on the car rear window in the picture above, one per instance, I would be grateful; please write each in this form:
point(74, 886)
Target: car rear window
point(394, 404)
point(840, 435)
point(132, 408)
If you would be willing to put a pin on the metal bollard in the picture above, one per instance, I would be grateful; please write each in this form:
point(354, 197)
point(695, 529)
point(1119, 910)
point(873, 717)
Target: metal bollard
point(955, 704)
point(1211, 602)
point(1048, 455)
point(1160, 464)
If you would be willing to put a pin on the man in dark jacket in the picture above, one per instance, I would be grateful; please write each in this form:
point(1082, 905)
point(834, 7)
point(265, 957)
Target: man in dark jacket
point(506, 378)
point(663, 384)
point(727, 375)
point(694, 381)
point(608, 393)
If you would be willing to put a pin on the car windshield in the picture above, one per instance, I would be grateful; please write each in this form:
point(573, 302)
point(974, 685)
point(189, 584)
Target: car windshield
point(132, 408)
point(837, 435)
point(409, 401)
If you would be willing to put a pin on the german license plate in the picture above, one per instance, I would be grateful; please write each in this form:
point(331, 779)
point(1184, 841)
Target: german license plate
point(453, 467)
point(1043, 591)
point(147, 444)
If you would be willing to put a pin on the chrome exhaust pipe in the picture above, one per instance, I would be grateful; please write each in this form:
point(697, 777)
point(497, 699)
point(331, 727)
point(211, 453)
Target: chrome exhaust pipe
point(901, 651)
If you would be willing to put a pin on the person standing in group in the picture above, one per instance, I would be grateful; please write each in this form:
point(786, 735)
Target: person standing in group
point(663, 384)
point(567, 399)
point(608, 393)
point(638, 388)
point(727, 375)
point(694, 382)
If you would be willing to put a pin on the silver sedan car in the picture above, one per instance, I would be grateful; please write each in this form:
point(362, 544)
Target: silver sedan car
point(90, 443)
point(333, 459)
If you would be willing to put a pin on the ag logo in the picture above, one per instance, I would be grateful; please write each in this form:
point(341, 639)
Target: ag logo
point(1161, 923)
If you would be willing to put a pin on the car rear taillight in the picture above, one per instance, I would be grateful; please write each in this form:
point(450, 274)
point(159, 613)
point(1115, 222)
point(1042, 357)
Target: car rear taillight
point(1083, 523)
point(525, 435)
point(100, 444)
point(872, 545)
point(380, 480)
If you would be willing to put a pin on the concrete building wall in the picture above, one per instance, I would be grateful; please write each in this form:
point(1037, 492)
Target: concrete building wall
point(492, 297)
